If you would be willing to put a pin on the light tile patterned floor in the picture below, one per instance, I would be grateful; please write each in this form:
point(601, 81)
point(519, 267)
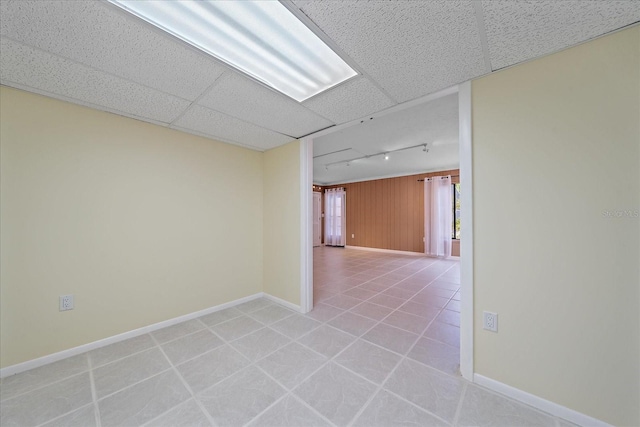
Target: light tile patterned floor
point(380, 348)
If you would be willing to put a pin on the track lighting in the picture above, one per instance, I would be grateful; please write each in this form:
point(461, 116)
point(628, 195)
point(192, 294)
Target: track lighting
point(384, 154)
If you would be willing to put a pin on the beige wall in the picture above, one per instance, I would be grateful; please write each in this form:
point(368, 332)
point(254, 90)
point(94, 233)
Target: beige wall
point(556, 144)
point(139, 222)
point(282, 254)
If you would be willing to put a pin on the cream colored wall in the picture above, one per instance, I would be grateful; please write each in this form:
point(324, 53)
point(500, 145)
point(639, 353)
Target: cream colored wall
point(141, 223)
point(556, 145)
point(282, 254)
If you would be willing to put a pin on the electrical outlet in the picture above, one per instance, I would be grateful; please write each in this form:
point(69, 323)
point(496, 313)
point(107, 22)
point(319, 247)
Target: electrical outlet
point(66, 302)
point(353, 236)
point(490, 321)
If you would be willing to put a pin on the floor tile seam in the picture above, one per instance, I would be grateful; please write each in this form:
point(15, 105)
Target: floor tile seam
point(422, 331)
point(166, 412)
point(404, 356)
point(375, 393)
point(123, 357)
point(255, 365)
point(271, 323)
point(431, 322)
point(309, 348)
point(381, 275)
point(326, 363)
point(389, 375)
point(397, 396)
point(94, 394)
point(188, 388)
point(437, 277)
point(288, 392)
point(456, 417)
point(331, 318)
point(65, 414)
point(262, 326)
point(221, 322)
point(379, 346)
point(457, 376)
point(128, 386)
point(160, 344)
point(138, 353)
point(368, 330)
point(201, 354)
point(331, 423)
point(40, 387)
point(330, 359)
point(274, 403)
point(436, 340)
point(289, 341)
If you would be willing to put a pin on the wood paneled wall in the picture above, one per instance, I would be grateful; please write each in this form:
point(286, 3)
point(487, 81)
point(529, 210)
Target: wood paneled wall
point(388, 213)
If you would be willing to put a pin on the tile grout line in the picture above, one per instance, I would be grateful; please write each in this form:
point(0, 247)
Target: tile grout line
point(390, 374)
point(264, 325)
point(45, 385)
point(456, 417)
point(288, 391)
point(185, 384)
point(94, 394)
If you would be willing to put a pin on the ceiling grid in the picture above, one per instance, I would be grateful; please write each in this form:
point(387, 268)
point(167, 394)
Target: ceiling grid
point(94, 54)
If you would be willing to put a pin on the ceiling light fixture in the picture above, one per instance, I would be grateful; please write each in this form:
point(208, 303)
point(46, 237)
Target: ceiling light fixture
point(262, 39)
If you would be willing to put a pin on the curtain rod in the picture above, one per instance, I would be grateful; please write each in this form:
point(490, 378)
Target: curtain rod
point(442, 177)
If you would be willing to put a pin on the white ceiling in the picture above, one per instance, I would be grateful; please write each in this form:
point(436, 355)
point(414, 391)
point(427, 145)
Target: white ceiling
point(433, 123)
point(92, 53)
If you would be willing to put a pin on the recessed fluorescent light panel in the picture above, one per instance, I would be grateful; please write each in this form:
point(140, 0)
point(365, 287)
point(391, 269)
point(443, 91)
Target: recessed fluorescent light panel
point(260, 38)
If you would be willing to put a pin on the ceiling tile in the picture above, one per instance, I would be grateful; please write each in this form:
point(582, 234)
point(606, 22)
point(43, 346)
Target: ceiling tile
point(229, 129)
point(409, 48)
point(351, 100)
point(434, 123)
point(518, 31)
point(241, 97)
point(102, 36)
point(24, 66)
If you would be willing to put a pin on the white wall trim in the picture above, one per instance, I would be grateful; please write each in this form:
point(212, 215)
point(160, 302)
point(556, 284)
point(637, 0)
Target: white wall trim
point(282, 302)
point(539, 403)
point(466, 244)
point(306, 225)
point(45, 360)
point(389, 251)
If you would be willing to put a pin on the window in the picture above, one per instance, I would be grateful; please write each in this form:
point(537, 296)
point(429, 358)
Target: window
point(455, 228)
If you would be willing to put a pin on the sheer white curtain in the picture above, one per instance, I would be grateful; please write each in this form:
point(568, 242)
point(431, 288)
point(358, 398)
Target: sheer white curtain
point(335, 218)
point(437, 216)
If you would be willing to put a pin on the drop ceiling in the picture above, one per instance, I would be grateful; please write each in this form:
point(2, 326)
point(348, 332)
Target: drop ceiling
point(418, 139)
point(94, 54)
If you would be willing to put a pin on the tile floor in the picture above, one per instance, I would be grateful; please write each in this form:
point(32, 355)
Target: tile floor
point(380, 348)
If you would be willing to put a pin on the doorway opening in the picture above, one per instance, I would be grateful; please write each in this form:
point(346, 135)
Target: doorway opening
point(463, 94)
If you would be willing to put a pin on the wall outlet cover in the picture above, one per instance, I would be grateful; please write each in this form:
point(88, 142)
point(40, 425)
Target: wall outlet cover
point(66, 302)
point(490, 321)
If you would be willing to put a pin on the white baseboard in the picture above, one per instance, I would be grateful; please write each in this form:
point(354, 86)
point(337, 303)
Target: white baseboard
point(45, 360)
point(539, 403)
point(389, 251)
point(287, 304)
